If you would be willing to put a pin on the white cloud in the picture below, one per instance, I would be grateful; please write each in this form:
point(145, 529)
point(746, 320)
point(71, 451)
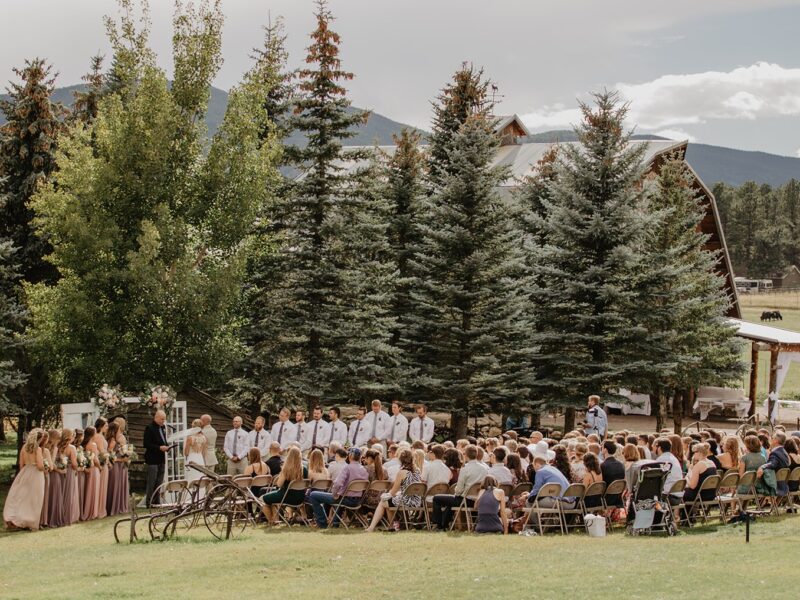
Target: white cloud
point(676, 134)
point(757, 91)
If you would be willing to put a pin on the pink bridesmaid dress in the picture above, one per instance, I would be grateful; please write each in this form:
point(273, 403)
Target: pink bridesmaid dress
point(104, 474)
point(23, 507)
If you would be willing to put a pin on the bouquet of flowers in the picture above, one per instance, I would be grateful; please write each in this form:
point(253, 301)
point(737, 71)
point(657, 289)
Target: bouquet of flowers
point(47, 465)
point(81, 458)
point(161, 397)
point(62, 462)
point(109, 399)
point(127, 451)
point(88, 458)
point(105, 459)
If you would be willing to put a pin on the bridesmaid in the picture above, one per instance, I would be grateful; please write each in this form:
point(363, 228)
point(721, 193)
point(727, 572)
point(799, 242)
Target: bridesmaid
point(91, 494)
point(55, 503)
point(118, 486)
point(101, 425)
point(78, 443)
point(71, 510)
point(23, 508)
point(47, 460)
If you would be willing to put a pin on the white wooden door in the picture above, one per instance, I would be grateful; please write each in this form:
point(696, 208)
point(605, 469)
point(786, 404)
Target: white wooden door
point(176, 422)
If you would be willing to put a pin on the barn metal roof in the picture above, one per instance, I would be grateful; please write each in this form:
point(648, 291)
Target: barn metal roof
point(766, 333)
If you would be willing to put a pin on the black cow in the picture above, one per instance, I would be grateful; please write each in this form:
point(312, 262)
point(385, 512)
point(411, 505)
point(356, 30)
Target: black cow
point(771, 315)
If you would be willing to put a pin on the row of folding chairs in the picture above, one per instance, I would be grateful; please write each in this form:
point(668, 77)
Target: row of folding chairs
point(551, 508)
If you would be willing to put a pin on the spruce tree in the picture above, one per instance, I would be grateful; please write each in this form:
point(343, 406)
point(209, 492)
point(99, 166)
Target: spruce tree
point(469, 329)
point(584, 272)
point(28, 144)
point(682, 304)
point(84, 108)
point(321, 328)
point(12, 317)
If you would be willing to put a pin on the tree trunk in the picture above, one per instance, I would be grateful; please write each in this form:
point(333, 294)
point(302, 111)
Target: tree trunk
point(536, 420)
point(677, 411)
point(2, 428)
point(458, 424)
point(661, 412)
point(569, 419)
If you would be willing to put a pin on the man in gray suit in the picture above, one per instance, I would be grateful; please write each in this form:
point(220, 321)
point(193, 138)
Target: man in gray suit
point(211, 435)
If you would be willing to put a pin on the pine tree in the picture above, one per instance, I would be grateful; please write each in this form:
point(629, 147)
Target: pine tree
point(12, 316)
point(272, 58)
point(28, 143)
point(84, 108)
point(321, 329)
point(584, 272)
point(469, 330)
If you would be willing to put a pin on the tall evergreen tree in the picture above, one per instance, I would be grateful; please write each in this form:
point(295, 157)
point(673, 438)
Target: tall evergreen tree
point(150, 230)
point(469, 329)
point(12, 317)
point(322, 327)
point(584, 272)
point(28, 143)
point(85, 106)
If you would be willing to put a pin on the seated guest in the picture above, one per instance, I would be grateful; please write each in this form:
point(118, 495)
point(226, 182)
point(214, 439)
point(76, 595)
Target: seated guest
point(702, 468)
point(435, 471)
point(630, 455)
point(316, 466)
point(373, 463)
point(794, 460)
point(419, 458)
point(353, 470)
point(548, 474)
point(592, 474)
point(643, 441)
point(491, 506)
point(712, 452)
point(663, 451)
point(778, 459)
point(613, 470)
point(561, 460)
point(577, 468)
point(752, 460)
point(256, 466)
point(338, 464)
point(408, 474)
point(452, 459)
point(497, 469)
point(392, 464)
point(292, 470)
point(524, 456)
point(471, 473)
point(514, 465)
point(729, 459)
point(274, 461)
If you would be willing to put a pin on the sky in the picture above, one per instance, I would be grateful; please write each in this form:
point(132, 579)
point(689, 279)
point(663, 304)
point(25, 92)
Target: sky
point(724, 72)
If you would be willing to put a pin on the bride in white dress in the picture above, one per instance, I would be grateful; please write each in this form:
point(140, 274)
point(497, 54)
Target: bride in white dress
point(194, 450)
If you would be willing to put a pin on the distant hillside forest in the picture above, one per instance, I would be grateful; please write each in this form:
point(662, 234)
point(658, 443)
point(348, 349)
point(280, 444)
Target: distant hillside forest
point(762, 226)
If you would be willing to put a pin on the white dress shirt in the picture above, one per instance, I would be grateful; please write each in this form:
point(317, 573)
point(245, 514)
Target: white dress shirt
point(358, 434)
point(337, 432)
point(237, 443)
point(397, 430)
point(381, 426)
point(392, 468)
point(435, 472)
point(284, 432)
point(427, 429)
point(299, 432)
point(321, 429)
point(501, 473)
point(261, 440)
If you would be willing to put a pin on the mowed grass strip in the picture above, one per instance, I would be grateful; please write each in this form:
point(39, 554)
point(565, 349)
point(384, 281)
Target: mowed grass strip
point(82, 561)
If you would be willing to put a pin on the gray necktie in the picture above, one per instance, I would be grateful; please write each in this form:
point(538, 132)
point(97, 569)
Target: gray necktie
point(258, 433)
point(420, 429)
point(333, 428)
point(355, 433)
point(280, 432)
point(374, 425)
point(314, 437)
point(394, 426)
point(298, 433)
point(235, 440)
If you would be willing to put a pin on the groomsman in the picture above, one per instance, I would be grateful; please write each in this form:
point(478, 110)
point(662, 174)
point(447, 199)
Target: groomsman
point(284, 431)
point(300, 424)
point(398, 425)
point(358, 430)
point(377, 423)
point(210, 454)
point(317, 432)
point(260, 438)
point(422, 425)
point(236, 445)
point(338, 430)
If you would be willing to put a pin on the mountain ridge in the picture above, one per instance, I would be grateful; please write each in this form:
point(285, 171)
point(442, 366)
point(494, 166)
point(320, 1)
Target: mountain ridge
point(713, 164)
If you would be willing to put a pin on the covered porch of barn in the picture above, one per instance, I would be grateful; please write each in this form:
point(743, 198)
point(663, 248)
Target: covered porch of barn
point(783, 346)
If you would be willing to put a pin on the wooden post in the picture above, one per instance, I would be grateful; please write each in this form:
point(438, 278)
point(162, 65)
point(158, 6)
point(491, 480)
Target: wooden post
point(773, 376)
point(753, 378)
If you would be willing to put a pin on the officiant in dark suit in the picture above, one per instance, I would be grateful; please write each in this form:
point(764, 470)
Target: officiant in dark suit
point(155, 455)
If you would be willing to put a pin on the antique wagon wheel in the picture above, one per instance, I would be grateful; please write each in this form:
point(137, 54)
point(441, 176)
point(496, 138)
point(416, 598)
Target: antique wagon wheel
point(226, 512)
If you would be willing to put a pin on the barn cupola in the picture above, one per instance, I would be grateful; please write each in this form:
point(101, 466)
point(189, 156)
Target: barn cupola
point(511, 129)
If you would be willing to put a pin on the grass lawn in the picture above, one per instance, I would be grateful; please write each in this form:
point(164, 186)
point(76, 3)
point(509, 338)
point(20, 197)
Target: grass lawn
point(83, 561)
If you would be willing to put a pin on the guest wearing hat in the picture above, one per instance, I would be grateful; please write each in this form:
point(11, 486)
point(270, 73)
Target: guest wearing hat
point(352, 471)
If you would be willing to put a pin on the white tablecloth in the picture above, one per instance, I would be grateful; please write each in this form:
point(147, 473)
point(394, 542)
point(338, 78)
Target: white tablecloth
point(639, 404)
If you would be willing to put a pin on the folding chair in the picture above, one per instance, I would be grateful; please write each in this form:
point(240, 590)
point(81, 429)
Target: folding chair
point(464, 507)
point(726, 500)
point(748, 481)
point(507, 489)
point(434, 490)
point(297, 508)
point(357, 486)
point(553, 514)
point(678, 506)
point(615, 488)
point(595, 490)
point(704, 506)
point(781, 476)
point(243, 481)
point(576, 491)
point(415, 515)
point(794, 477)
point(176, 493)
point(321, 485)
point(262, 481)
